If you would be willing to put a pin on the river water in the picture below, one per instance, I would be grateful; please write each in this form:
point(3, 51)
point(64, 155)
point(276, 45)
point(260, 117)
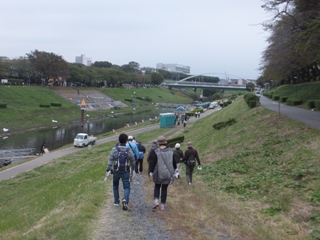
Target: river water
point(27, 144)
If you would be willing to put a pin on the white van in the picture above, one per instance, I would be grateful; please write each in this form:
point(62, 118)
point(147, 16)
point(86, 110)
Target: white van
point(213, 105)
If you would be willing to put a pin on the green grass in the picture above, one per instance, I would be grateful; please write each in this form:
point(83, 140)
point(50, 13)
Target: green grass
point(23, 111)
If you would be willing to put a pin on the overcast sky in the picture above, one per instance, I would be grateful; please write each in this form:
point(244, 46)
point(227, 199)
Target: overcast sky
point(210, 36)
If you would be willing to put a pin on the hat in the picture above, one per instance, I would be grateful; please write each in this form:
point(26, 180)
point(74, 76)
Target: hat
point(177, 145)
point(189, 144)
point(130, 137)
point(161, 140)
point(139, 141)
point(154, 142)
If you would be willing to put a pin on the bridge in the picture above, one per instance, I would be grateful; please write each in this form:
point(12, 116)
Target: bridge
point(183, 84)
point(204, 85)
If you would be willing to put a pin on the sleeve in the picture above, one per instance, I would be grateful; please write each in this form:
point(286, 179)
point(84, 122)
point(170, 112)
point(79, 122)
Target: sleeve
point(132, 159)
point(174, 163)
point(144, 149)
point(112, 157)
point(152, 161)
point(197, 157)
point(136, 151)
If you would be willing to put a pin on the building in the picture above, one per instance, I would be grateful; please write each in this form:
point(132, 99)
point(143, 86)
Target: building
point(84, 60)
point(174, 68)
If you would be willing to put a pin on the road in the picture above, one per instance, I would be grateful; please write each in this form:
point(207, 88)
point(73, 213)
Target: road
point(308, 117)
point(44, 159)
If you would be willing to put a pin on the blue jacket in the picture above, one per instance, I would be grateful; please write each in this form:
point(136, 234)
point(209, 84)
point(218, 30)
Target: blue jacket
point(134, 148)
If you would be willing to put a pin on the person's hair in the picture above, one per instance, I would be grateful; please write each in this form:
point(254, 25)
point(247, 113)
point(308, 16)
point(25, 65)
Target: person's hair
point(123, 138)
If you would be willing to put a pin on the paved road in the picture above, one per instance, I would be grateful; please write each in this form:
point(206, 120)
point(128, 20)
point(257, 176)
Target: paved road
point(27, 166)
point(305, 116)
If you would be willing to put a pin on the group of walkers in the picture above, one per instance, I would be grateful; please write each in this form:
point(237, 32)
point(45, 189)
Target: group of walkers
point(165, 164)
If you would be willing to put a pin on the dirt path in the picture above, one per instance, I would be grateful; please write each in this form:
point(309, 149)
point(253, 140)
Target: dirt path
point(140, 221)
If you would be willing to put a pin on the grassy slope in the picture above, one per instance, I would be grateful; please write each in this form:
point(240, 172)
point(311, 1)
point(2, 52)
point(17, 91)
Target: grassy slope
point(260, 180)
point(23, 111)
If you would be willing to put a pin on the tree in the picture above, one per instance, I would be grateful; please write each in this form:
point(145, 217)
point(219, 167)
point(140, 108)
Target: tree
point(156, 78)
point(135, 66)
point(104, 64)
point(48, 65)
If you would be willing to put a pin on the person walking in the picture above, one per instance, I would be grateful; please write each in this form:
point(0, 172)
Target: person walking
point(120, 161)
point(178, 158)
point(161, 170)
point(133, 146)
point(42, 148)
point(190, 158)
point(139, 163)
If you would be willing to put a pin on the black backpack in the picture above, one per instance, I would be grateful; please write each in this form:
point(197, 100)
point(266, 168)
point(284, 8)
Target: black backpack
point(191, 161)
point(122, 164)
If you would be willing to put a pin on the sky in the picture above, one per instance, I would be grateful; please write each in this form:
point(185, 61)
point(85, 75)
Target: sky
point(213, 37)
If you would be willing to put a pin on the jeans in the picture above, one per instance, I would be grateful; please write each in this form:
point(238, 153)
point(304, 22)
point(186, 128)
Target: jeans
point(139, 166)
point(125, 178)
point(164, 188)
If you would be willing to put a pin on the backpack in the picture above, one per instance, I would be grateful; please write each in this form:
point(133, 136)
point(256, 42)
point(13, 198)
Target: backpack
point(121, 165)
point(191, 161)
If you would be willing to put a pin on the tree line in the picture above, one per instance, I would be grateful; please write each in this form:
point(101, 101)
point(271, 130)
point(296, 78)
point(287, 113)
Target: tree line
point(43, 68)
point(293, 53)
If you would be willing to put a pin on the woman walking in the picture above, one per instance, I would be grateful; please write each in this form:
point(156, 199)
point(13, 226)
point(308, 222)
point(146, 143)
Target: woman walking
point(161, 170)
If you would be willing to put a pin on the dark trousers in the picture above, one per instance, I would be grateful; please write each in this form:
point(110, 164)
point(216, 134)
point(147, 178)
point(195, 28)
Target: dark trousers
point(139, 166)
point(189, 171)
point(164, 188)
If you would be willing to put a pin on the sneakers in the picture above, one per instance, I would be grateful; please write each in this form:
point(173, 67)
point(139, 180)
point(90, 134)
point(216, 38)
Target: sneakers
point(162, 207)
point(189, 183)
point(155, 205)
point(124, 205)
point(116, 204)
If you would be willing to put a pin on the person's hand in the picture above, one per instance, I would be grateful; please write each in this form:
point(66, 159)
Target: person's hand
point(150, 176)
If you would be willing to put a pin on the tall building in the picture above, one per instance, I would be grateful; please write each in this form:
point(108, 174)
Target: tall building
point(174, 68)
point(84, 60)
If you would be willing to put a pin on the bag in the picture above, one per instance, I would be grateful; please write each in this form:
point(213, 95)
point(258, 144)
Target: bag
point(191, 161)
point(122, 164)
point(141, 155)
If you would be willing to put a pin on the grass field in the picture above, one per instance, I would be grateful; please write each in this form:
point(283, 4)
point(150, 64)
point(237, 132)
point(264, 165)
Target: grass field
point(260, 180)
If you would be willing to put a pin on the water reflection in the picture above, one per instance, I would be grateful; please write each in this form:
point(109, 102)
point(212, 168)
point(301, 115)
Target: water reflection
point(28, 143)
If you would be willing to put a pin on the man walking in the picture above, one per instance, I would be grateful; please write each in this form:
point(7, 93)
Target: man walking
point(120, 161)
point(190, 158)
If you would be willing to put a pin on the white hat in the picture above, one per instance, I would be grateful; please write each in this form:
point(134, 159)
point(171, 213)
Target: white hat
point(177, 145)
point(130, 137)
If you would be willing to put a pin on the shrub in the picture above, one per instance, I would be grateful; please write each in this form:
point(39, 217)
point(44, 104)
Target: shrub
point(220, 125)
point(311, 104)
point(251, 99)
point(284, 99)
point(171, 142)
point(3, 105)
point(44, 105)
point(128, 100)
point(317, 104)
point(276, 97)
point(293, 102)
point(148, 99)
point(56, 104)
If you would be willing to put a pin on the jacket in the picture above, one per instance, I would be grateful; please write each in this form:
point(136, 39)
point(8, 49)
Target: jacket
point(162, 165)
point(191, 151)
point(177, 155)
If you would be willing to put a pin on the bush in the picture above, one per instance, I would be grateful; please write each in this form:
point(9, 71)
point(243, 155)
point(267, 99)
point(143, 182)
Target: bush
point(311, 104)
point(284, 99)
point(276, 97)
point(171, 142)
point(56, 104)
point(3, 105)
point(293, 102)
point(128, 100)
point(44, 105)
point(220, 125)
point(251, 99)
point(317, 104)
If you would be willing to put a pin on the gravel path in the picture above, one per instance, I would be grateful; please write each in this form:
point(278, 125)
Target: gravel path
point(139, 222)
